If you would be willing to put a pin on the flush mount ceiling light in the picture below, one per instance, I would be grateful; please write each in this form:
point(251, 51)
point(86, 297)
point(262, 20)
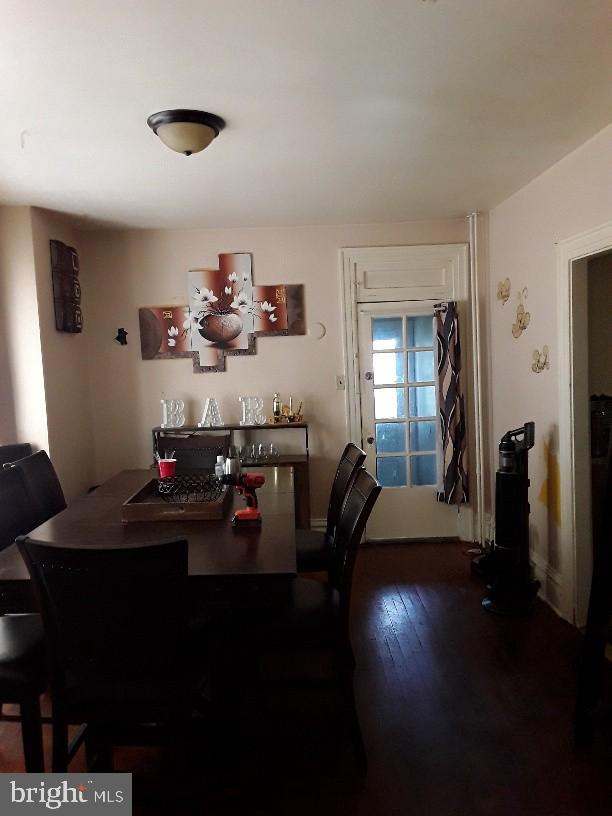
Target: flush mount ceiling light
point(186, 131)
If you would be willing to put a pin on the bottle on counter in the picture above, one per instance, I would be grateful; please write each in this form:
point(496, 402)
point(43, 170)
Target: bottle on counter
point(220, 466)
point(277, 407)
point(232, 464)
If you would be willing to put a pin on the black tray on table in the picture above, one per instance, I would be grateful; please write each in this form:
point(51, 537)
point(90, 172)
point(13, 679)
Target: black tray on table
point(186, 496)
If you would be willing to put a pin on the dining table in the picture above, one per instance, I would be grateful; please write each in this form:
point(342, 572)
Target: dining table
point(228, 566)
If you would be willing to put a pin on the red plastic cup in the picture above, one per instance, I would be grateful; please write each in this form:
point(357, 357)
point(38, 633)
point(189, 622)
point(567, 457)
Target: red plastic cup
point(167, 467)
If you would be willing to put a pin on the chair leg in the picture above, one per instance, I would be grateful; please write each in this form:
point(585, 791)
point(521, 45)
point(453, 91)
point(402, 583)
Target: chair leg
point(347, 694)
point(90, 748)
point(60, 745)
point(98, 749)
point(104, 757)
point(351, 663)
point(31, 734)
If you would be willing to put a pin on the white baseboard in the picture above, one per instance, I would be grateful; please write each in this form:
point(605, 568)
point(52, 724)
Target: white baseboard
point(551, 583)
point(318, 523)
point(544, 570)
point(465, 524)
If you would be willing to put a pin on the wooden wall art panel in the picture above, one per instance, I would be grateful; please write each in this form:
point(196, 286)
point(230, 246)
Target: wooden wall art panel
point(164, 332)
point(66, 287)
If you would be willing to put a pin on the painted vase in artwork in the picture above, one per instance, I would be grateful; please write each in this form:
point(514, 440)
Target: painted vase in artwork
point(220, 328)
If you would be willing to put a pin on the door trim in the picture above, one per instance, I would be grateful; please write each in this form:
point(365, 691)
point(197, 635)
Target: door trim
point(350, 345)
point(576, 555)
point(471, 517)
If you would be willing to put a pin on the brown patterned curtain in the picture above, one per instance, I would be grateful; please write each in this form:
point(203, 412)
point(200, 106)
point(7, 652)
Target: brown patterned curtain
point(454, 476)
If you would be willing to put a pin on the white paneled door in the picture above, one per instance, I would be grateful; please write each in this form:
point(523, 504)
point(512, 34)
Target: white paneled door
point(399, 419)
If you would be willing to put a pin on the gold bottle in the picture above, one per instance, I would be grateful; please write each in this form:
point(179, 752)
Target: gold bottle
point(277, 408)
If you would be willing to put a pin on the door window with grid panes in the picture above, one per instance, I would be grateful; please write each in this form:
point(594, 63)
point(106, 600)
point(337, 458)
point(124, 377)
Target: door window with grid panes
point(405, 422)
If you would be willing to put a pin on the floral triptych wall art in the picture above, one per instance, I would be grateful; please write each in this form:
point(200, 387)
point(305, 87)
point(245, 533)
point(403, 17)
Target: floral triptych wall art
point(225, 312)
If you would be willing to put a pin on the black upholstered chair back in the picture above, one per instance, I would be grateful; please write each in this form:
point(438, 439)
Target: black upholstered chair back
point(193, 450)
point(351, 460)
point(43, 486)
point(354, 515)
point(115, 620)
point(11, 453)
point(16, 515)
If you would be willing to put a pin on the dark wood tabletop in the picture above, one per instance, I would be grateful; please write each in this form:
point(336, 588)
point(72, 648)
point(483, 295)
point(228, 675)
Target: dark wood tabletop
point(216, 548)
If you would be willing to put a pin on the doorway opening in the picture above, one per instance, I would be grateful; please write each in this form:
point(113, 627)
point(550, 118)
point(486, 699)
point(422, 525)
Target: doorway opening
point(585, 304)
point(592, 386)
point(389, 295)
point(599, 282)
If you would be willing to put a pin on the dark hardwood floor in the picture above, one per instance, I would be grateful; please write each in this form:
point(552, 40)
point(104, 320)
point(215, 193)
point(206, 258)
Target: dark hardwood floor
point(463, 714)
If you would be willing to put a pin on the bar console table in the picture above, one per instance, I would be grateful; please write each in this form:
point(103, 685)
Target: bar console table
point(198, 447)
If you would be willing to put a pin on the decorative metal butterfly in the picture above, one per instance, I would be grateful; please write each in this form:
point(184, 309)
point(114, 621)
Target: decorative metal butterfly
point(540, 360)
point(503, 291)
point(522, 317)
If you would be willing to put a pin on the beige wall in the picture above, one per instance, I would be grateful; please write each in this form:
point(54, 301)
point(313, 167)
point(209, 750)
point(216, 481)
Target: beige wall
point(573, 196)
point(44, 398)
point(600, 325)
point(129, 269)
point(23, 416)
point(8, 425)
point(66, 363)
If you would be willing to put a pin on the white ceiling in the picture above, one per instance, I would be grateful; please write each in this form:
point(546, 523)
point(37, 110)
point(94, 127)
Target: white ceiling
point(337, 110)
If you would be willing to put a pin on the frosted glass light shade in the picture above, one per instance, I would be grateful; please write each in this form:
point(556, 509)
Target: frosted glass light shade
point(186, 131)
point(186, 137)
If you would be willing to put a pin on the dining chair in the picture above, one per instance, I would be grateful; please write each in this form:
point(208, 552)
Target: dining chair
point(192, 450)
point(318, 615)
point(115, 624)
point(43, 486)
point(11, 453)
point(314, 547)
point(23, 677)
point(16, 513)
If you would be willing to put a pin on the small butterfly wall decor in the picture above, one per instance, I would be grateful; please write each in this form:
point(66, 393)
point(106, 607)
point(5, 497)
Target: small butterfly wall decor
point(503, 291)
point(540, 360)
point(522, 317)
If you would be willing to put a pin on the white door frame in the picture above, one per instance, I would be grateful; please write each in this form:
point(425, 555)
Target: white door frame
point(350, 347)
point(348, 260)
point(576, 554)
